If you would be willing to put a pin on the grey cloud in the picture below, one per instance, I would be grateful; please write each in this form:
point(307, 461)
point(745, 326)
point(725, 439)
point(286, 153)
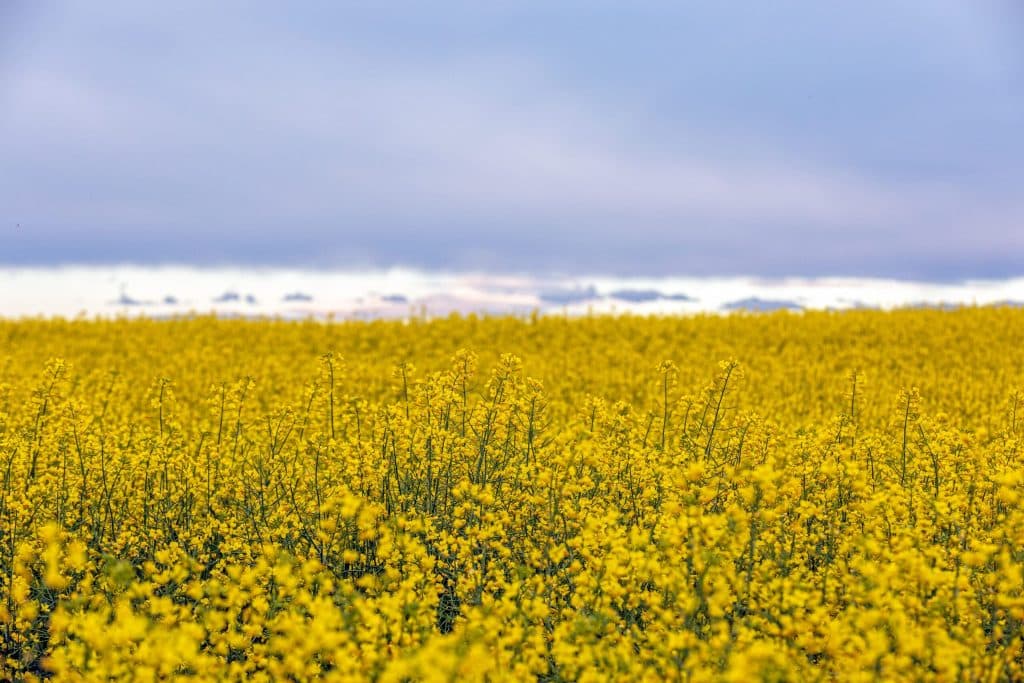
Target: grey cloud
point(328, 155)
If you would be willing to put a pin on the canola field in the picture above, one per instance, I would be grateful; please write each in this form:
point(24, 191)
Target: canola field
point(821, 496)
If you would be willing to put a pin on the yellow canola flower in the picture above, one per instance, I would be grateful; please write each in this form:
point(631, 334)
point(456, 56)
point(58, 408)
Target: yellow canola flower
point(514, 499)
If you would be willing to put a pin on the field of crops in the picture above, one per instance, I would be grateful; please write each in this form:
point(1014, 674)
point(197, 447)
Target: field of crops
point(822, 496)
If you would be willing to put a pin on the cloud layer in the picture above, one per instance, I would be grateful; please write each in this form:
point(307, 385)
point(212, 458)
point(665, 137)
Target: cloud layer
point(518, 138)
point(165, 291)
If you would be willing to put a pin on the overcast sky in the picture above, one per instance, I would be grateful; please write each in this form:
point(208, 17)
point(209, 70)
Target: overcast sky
point(646, 138)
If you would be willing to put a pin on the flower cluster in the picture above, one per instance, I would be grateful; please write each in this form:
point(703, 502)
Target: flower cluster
point(263, 500)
